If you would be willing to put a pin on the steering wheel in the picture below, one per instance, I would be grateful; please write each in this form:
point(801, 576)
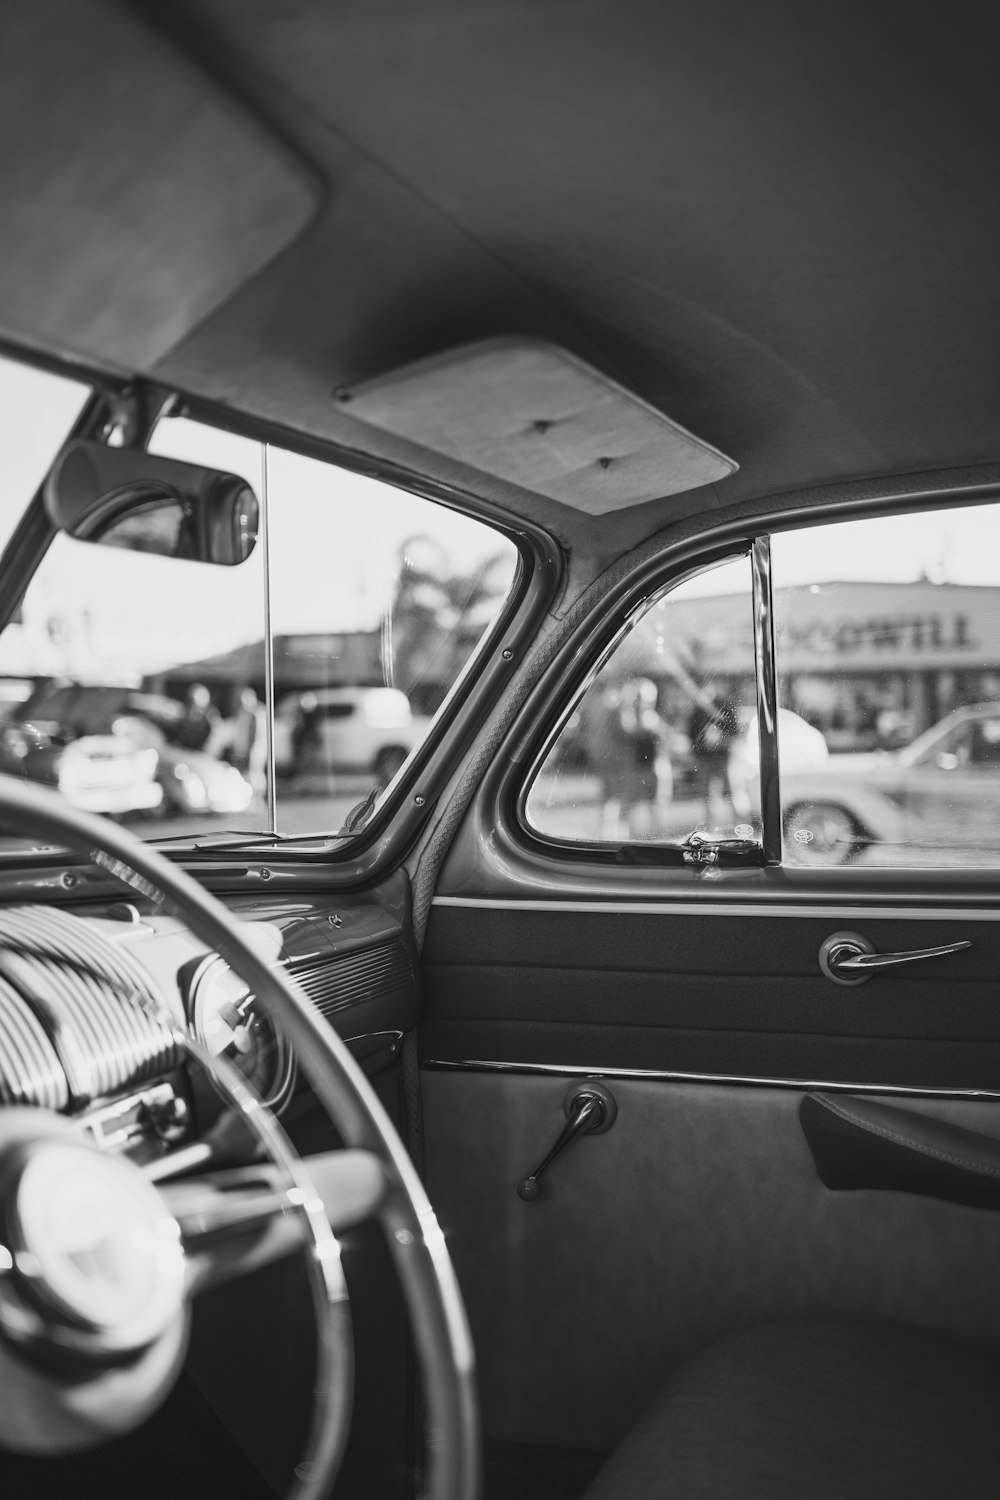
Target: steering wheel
point(137, 1348)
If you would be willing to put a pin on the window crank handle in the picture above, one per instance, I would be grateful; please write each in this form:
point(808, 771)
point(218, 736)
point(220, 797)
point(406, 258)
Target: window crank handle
point(588, 1111)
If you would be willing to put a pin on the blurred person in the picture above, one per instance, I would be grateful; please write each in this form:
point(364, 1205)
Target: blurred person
point(891, 728)
point(201, 718)
point(625, 742)
point(257, 766)
point(243, 740)
point(712, 728)
point(305, 735)
point(243, 728)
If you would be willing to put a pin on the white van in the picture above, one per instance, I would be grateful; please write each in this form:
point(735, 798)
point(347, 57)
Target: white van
point(371, 729)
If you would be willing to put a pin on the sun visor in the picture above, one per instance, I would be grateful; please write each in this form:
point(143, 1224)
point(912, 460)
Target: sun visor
point(136, 196)
point(526, 411)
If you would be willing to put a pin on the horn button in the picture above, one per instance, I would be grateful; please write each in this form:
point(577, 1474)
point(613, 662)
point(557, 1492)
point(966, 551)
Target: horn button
point(92, 1263)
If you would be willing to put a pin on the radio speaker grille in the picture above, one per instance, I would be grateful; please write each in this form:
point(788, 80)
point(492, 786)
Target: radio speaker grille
point(338, 984)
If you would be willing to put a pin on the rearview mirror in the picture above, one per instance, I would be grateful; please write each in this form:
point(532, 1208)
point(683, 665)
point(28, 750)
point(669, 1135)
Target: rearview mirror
point(123, 497)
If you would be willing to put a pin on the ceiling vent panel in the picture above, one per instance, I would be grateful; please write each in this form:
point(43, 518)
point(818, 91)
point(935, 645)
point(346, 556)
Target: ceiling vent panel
point(528, 412)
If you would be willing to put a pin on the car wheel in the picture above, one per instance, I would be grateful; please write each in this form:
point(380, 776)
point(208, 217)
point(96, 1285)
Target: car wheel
point(388, 762)
point(823, 833)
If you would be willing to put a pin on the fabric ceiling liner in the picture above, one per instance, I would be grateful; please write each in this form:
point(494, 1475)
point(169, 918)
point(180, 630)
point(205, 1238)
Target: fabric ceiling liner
point(529, 412)
point(675, 193)
point(140, 197)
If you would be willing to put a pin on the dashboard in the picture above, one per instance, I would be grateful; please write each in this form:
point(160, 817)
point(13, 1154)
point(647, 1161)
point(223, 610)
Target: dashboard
point(92, 1001)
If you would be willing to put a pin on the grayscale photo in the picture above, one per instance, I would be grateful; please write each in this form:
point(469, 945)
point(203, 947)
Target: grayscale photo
point(499, 750)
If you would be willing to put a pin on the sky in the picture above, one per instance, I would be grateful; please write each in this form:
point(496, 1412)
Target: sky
point(957, 545)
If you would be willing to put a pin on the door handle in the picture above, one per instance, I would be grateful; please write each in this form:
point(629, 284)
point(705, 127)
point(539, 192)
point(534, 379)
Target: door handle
point(849, 958)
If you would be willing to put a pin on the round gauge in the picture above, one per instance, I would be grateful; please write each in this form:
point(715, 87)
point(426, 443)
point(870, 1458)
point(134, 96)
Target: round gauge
point(229, 1022)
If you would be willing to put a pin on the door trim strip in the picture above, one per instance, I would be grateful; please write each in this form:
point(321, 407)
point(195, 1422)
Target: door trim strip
point(842, 911)
point(659, 1075)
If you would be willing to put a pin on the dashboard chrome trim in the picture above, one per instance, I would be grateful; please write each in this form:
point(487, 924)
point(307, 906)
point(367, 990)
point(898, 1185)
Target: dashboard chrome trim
point(100, 1010)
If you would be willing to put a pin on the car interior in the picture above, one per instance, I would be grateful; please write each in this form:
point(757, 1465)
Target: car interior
point(576, 1076)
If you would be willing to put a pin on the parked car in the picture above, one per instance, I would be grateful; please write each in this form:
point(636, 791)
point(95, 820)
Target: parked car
point(939, 795)
point(371, 729)
point(934, 797)
point(803, 749)
point(418, 1150)
point(100, 773)
point(187, 781)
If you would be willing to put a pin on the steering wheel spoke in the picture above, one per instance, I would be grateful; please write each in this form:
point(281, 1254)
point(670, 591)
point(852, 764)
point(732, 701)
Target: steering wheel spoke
point(235, 1221)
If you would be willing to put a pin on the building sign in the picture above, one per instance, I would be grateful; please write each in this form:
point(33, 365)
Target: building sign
point(899, 635)
point(827, 629)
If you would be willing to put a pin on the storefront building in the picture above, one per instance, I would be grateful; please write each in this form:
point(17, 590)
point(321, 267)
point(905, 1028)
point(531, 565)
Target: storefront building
point(869, 664)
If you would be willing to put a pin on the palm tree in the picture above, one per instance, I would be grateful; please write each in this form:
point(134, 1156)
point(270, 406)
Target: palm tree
point(436, 618)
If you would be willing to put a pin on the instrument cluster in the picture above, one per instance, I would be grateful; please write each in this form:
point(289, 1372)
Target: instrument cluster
point(229, 1021)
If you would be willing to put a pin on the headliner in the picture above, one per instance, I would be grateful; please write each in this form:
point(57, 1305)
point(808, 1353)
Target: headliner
point(777, 222)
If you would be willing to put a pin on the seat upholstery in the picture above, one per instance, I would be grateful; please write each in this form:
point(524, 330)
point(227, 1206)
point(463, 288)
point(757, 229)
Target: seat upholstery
point(817, 1411)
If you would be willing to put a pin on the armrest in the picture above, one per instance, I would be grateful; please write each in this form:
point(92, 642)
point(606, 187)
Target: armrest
point(857, 1143)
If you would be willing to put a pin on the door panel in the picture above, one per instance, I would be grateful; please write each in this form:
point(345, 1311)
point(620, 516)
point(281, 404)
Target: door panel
point(562, 944)
point(698, 1212)
point(732, 994)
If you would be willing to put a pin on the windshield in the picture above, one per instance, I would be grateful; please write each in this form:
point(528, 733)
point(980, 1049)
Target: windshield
point(281, 695)
point(37, 411)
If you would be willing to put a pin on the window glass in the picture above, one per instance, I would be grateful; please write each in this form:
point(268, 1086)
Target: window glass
point(888, 654)
point(138, 681)
point(663, 742)
point(379, 599)
point(37, 411)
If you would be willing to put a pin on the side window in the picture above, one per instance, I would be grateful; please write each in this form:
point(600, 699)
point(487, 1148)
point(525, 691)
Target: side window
point(887, 637)
point(663, 742)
